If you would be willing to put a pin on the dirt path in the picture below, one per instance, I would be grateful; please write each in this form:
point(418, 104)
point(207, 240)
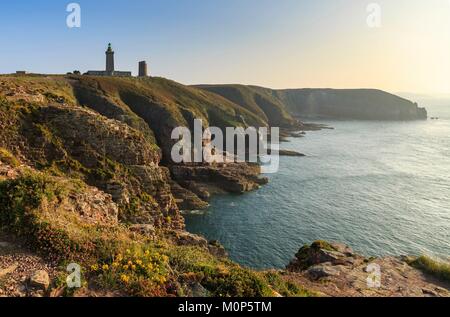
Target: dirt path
point(17, 265)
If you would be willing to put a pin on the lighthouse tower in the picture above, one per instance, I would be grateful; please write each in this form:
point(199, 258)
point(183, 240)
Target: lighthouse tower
point(110, 69)
point(109, 61)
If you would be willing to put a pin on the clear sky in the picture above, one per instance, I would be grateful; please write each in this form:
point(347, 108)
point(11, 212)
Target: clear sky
point(273, 43)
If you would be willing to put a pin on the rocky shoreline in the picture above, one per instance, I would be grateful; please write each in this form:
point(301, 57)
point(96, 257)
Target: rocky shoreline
point(334, 269)
point(83, 180)
point(325, 269)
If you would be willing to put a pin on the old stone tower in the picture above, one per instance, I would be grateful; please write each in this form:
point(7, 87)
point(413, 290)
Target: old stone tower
point(109, 60)
point(143, 69)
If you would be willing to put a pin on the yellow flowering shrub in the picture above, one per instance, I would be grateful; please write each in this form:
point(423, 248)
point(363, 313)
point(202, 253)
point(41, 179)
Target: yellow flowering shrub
point(140, 272)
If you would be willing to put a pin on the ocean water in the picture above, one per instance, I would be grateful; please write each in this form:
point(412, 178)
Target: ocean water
point(381, 187)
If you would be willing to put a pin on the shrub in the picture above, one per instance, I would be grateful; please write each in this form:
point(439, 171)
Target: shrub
point(7, 158)
point(285, 288)
point(221, 278)
point(237, 282)
point(139, 271)
point(321, 244)
point(436, 268)
point(20, 200)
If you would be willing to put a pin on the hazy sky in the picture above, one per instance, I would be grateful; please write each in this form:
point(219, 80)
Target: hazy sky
point(274, 43)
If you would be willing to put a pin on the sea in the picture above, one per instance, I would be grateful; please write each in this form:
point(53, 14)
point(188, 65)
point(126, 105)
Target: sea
point(381, 187)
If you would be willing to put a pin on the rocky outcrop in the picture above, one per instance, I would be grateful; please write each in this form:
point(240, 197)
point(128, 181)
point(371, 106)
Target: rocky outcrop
point(105, 153)
point(232, 177)
point(184, 238)
point(91, 205)
point(200, 182)
point(40, 280)
point(186, 199)
point(86, 136)
point(94, 206)
point(334, 269)
point(288, 153)
point(323, 252)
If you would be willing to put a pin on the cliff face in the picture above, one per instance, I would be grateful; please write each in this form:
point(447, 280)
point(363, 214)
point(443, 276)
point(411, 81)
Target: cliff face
point(115, 134)
point(82, 180)
point(48, 221)
point(156, 106)
point(258, 100)
point(359, 104)
point(354, 104)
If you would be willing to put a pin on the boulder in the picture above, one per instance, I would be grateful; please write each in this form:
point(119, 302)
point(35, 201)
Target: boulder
point(197, 290)
point(216, 249)
point(189, 239)
point(322, 270)
point(323, 252)
point(40, 280)
point(342, 248)
point(144, 229)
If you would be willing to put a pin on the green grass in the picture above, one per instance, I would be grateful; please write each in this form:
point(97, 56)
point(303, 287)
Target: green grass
point(7, 158)
point(23, 214)
point(285, 288)
point(436, 268)
point(258, 100)
point(222, 278)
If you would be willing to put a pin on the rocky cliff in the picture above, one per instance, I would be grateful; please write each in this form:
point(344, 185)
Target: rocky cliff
point(341, 104)
point(48, 221)
point(358, 104)
point(113, 133)
point(84, 179)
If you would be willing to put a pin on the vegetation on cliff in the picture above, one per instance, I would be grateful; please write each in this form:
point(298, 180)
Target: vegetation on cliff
point(67, 221)
point(119, 131)
point(359, 104)
point(257, 100)
point(434, 267)
point(83, 179)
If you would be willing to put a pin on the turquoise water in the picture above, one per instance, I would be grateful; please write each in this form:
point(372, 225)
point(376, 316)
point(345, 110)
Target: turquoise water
point(381, 187)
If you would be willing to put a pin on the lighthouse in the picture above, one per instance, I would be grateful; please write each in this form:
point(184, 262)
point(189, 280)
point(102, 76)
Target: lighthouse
point(110, 67)
point(109, 61)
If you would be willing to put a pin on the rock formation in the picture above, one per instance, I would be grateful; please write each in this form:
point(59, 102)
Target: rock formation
point(334, 269)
